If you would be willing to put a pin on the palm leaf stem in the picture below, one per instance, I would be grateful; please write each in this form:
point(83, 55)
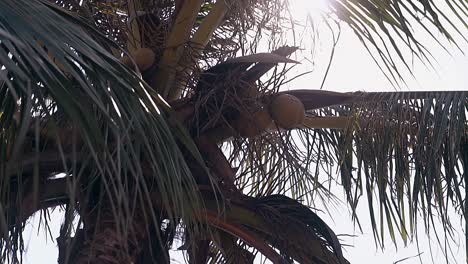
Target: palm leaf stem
point(175, 44)
point(197, 44)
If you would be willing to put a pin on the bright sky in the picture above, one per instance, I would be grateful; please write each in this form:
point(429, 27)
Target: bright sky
point(352, 69)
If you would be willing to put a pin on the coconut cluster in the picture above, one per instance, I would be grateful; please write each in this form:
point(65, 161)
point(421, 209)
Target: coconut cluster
point(284, 110)
point(253, 124)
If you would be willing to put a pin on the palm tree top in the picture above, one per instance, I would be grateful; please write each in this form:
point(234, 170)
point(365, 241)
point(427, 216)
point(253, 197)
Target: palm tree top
point(160, 117)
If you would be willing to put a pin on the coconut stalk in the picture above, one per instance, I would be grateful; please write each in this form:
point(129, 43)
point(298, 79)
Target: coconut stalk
point(197, 44)
point(173, 51)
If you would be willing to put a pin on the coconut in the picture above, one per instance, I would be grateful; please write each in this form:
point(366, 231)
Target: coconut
point(144, 58)
point(287, 111)
point(249, 92)
point(126, 60)
point(250, 125)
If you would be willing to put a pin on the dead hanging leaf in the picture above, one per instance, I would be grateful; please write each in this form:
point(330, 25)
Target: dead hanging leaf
point(261, 58)
point(260, 69)
point(263, 63)
point(314, 99)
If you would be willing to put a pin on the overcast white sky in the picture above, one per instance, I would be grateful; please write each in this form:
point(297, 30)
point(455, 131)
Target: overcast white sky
point(352, 69)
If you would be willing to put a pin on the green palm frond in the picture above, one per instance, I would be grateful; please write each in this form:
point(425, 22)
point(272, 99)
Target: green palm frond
point(74, 112)
point(389, 29)
point(303, 237)
point(407, 148)
point(409, 152)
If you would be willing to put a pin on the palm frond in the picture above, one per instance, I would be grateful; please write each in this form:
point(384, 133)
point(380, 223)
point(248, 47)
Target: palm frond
point(303, 237)
point(390, 29)
point(407, 148)
point(75, 111)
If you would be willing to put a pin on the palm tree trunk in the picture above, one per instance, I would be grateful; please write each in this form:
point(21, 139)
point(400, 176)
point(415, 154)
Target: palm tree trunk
point(107, 241)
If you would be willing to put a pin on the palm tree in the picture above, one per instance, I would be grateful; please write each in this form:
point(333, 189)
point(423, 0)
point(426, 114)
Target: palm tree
point(149, 122)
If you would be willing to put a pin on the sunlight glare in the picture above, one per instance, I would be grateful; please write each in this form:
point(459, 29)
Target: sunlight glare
point(313, 8)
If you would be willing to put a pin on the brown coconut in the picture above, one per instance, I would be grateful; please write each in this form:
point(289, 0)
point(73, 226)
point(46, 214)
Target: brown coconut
point(287, 111)
point(126, 60)
point(144, 58)
point(250, 125)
